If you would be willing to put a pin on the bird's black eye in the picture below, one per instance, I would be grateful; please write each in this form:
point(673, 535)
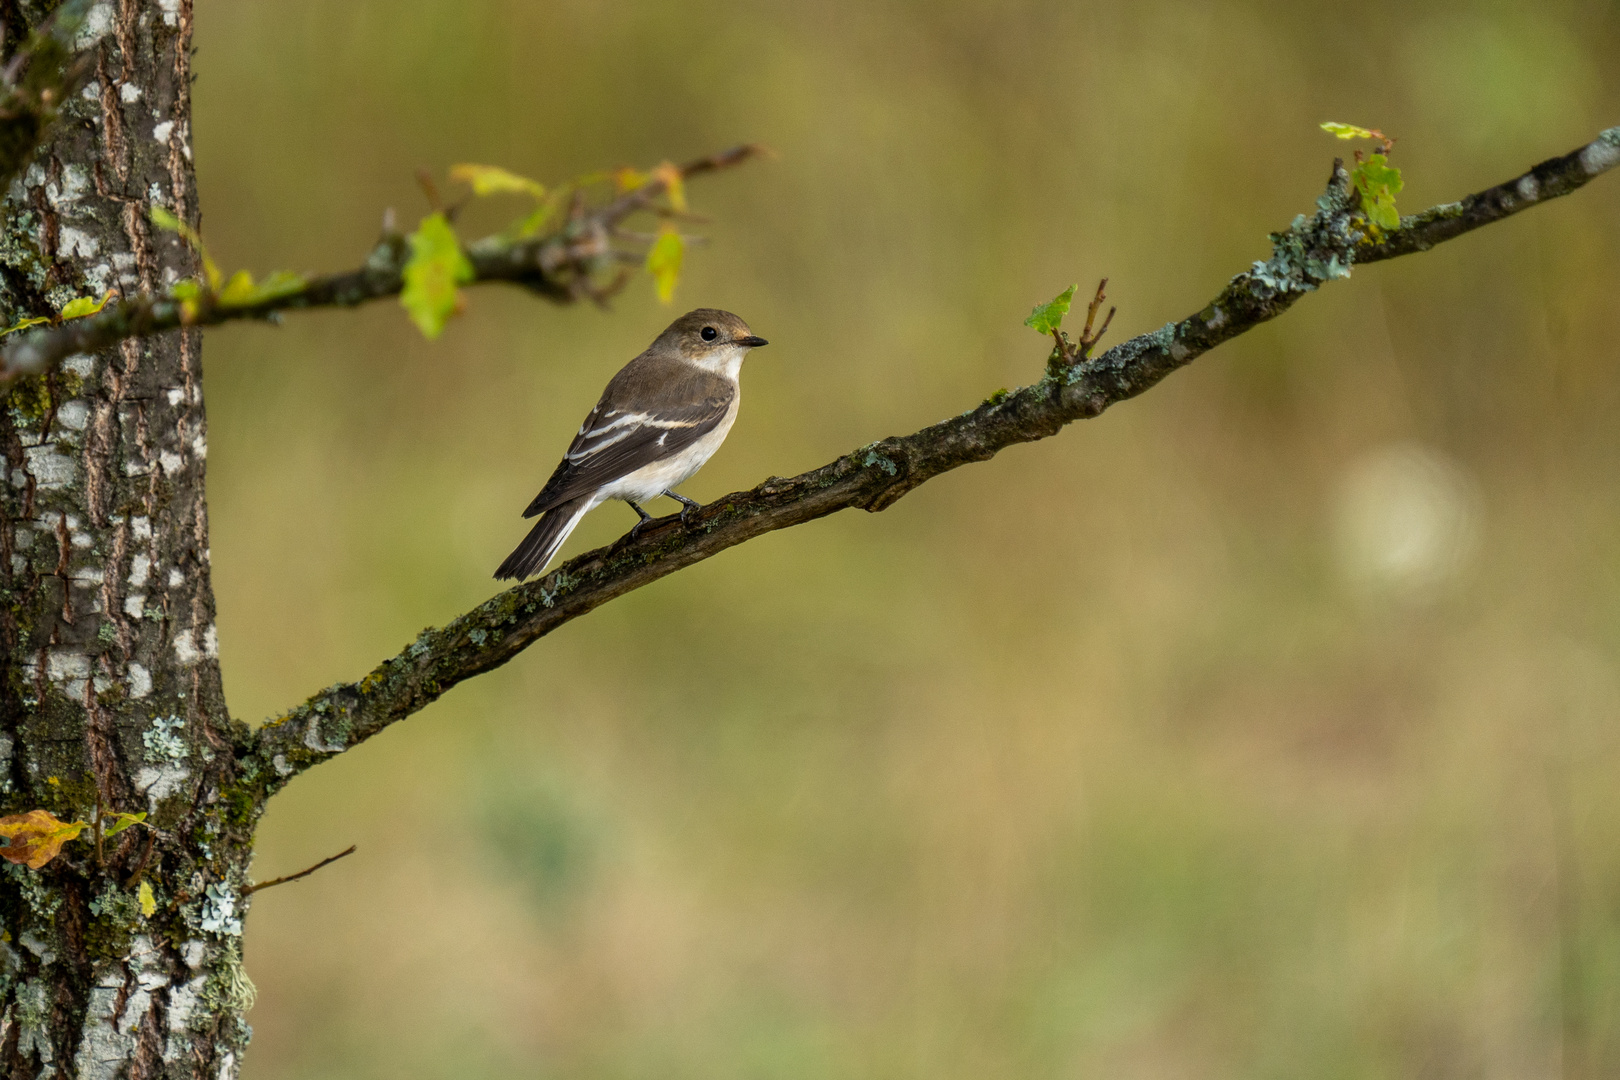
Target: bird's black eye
point(708, 333)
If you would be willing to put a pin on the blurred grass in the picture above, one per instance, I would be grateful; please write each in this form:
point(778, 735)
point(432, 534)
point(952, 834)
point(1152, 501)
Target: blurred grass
point(1088, 761)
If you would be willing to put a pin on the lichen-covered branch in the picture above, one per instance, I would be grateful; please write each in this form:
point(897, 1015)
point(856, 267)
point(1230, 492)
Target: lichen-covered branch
point(1314, 250)
point(46, 69)
point(560, 266)
point(1552, 178)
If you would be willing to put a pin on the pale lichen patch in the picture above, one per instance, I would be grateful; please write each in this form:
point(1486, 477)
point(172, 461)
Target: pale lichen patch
point(50, 469)
point(1603, 153)
point(140, 681)
point(185, 648)
point(75, 243)
point(73, 414)
point(62, 665)
point(158, 782)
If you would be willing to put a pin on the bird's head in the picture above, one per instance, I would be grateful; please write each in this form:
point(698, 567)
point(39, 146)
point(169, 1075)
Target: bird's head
point(710, 337)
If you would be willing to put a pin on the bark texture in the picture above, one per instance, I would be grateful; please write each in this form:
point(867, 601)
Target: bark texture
point(110, 698)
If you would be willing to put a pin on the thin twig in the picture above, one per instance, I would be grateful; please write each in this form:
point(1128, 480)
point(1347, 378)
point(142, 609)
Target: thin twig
point(302, 873)
point(146, 858)
point(1087, 338)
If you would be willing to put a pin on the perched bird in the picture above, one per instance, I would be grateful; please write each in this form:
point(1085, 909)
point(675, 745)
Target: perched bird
point(661, 417)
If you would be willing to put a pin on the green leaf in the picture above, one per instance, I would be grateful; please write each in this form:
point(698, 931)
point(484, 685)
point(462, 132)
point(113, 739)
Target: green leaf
point(1378, 182)
point(494, 180)
point(148, 901)
point(187, 291)
point(436, 267)
point(533, 223)
point(80, 306)
point(24, 324)
point(124, 821)
point(1049, 316)
point(164, 219)
point(664, 261)
point(1349, 131)
point(241, 291)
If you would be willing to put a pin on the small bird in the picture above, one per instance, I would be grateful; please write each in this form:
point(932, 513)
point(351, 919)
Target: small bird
point(660, 419)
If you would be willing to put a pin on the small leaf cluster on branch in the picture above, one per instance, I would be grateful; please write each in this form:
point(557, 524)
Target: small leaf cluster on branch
point(1375, 179)
point(1047, 318)
point(438, 266)
point(80, 307)
point(572, 245)
point(35, 838)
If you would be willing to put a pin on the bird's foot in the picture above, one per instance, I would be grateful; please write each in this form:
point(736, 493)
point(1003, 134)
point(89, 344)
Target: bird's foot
point(687, 506)
point(643, 518)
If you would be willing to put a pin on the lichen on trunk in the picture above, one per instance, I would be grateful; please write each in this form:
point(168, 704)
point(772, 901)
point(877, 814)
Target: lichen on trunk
point(110, 695)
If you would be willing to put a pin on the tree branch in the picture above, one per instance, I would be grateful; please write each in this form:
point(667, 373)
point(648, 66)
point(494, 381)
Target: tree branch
point(328, 861)
point(560, 266)
point(45, 71)
point(1311, 252)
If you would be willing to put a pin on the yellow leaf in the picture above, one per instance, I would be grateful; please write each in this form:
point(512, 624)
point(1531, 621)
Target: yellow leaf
point(494, 180)
point(24, 324)
point(674, 184)
point(35, 838)
point(629, 179)
point(664, 261)
point(81, 306)
point(242, 291)
point(532, 224)
point(148, 901)
point(164, 219)
point(238, 290)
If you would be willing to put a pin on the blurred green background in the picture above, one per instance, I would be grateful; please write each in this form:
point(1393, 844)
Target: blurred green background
point(1268, 726)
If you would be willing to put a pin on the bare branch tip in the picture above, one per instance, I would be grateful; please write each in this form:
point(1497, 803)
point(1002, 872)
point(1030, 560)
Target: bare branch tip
point(249, 889)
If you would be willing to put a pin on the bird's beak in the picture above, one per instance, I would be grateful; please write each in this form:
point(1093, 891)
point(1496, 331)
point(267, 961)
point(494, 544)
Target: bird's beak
point(751, 342)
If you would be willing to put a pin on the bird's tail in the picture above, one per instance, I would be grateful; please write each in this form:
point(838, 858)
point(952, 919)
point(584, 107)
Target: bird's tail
point(544, 539)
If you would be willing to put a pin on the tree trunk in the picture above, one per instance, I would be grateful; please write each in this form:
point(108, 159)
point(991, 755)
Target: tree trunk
point(111, 698)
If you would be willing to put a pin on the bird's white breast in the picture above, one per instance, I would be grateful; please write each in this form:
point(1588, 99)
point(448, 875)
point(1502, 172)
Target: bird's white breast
point(654, 479)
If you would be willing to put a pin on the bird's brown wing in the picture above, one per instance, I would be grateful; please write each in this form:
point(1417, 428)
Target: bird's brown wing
point(616, 440)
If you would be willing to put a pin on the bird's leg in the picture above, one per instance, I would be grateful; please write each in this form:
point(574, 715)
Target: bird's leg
point(687, 506)
point(635, 530)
